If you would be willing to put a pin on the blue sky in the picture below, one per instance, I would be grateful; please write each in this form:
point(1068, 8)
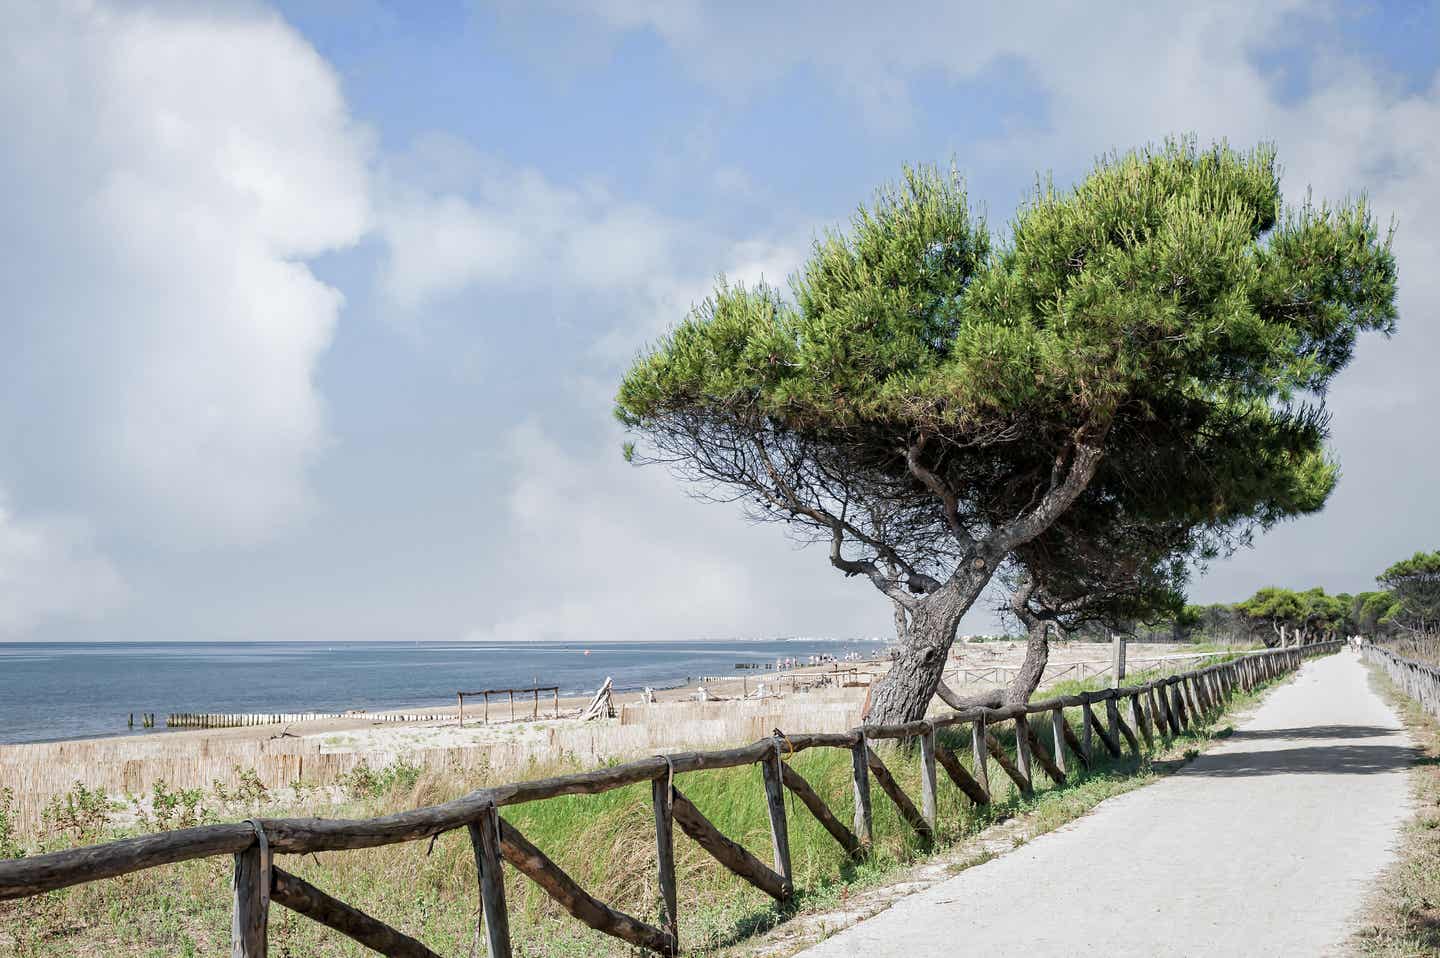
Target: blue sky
point(316, 309)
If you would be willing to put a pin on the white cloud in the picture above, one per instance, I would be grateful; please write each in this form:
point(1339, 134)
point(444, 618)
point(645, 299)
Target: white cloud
point(50, 569)
point(491, 225)
point(177, 166)
point(598, 548)
point(455, 221)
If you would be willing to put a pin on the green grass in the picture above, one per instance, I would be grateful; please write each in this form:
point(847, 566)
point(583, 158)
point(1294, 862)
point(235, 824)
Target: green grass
point(606, 842)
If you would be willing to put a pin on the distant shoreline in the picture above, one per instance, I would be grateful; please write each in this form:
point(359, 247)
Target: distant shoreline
point(306, 686)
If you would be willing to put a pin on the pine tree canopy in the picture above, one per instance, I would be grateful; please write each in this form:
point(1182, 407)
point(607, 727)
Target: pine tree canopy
point(927, 393)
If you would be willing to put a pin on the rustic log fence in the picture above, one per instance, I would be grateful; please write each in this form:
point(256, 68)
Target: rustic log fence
point(1419, 681)
point(533, 691)
point(1163, 708)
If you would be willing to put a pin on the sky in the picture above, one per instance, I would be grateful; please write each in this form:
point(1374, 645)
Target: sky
point(314, 310)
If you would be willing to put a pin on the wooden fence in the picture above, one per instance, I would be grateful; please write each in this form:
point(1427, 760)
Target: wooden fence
point(1419, 680)
point(535, 691)
point(1164, 707)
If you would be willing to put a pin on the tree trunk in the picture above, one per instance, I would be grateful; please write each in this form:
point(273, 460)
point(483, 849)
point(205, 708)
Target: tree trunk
point(904, 693)
point(1037, 656)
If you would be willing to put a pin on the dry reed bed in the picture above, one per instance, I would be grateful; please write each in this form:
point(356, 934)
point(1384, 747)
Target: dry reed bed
point(39, 772)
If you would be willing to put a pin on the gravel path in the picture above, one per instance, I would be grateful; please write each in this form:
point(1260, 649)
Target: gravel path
point(1266, 845)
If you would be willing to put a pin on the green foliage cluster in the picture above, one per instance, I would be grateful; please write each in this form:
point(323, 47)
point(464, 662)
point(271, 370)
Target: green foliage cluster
point(249, 791)
point(10, 846)
point(364, 782)
point(1414, 585)
point(183, 808)
point(1168, 279)
point(81, 813)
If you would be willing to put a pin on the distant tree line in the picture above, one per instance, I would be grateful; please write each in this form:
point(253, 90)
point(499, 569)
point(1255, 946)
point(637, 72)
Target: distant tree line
point(1406, 604)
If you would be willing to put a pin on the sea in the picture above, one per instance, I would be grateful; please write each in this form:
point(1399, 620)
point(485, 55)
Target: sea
point(57, 691)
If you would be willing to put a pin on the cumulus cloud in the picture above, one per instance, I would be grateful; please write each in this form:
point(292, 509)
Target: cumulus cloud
point(50, 568)
point(594, 547)
point(456, 221)
point(179, 166)
point(471, 221)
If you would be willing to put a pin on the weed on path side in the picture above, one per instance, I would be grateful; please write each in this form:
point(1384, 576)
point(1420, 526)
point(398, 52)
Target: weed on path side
point(1403, 918)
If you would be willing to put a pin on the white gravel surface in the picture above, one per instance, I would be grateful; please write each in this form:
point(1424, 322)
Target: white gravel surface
point(1266, 845)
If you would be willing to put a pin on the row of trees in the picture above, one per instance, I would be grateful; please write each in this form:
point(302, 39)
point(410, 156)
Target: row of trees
point(1127, 383)
point(1407, 603)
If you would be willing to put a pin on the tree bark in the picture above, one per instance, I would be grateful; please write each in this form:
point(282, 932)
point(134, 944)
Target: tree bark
point(1037, 656)
point(904, 693)
point(1021, 688)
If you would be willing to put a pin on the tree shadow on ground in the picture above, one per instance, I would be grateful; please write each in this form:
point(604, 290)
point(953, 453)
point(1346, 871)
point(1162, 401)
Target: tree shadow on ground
point(1310, 760)
point(1317, 731)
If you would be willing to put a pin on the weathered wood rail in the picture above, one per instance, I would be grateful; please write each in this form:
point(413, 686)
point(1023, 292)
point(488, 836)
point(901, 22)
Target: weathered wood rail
point(1168, 705)
point(1418, 680)
point(534, 691)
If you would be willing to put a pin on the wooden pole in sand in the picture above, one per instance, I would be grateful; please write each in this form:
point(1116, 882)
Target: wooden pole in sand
point(460, 707)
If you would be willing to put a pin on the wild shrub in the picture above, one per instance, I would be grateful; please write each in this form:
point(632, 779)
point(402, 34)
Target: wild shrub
point(249, 792)
point(81, 813)
point(9, 841)
point(183, 808)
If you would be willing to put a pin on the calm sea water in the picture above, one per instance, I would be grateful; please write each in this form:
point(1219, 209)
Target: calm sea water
point(54, 691)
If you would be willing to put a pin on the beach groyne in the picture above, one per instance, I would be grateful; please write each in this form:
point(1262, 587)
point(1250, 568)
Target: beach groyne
point(243, 719)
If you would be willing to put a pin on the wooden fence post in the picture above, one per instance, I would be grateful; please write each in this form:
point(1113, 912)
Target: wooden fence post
point(1177, 706)
point(980, 753)
point(860, 769)
point(775, 803)
point(1022, 751)
point(251, 912)
point(664, 800)
point(1057, 728)
point(485, 841)
point(1142, 722)
point(927, 778)
point(1157, 713)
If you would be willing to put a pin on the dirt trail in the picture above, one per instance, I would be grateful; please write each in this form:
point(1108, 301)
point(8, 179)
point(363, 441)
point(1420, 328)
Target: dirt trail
point(1266, 845)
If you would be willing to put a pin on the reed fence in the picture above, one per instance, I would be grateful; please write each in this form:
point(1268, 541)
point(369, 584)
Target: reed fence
point(1420, 681)
point(1164, 707)
point(41, 771)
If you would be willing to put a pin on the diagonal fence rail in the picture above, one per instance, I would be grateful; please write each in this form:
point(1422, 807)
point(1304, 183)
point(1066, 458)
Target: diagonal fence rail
point(1160, 709)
